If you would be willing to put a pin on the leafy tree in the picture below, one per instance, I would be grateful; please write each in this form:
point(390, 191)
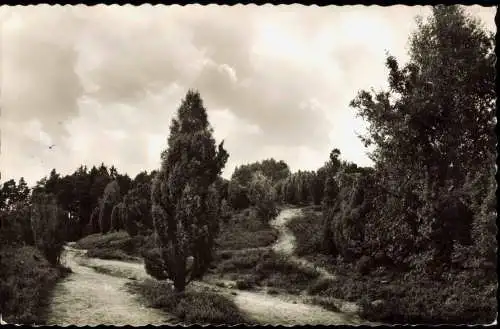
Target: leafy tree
point(124, 182)
point(238, 189)
point(15, 225)
point(238, 195)
point(434, 125)
point(274, 170)
point(81, 183)
point(137, 210)
point(262, 196)
point(184, 200)
point(225, 210)
point(111, 197)
point(47, 220)
point(222, 186)
point(117, 217)
point(93, 226)
point(9, 194)
point(23, 191)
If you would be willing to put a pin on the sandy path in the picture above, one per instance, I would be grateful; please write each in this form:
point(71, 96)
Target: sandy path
point(87, 297)
point(286, 241)
point(95, 293)
point(268, 309)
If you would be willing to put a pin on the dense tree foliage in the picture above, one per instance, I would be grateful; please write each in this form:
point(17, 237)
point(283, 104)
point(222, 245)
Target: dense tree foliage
point(263, 196)
point(433, 127)
point(110, 199)
point(48, 225)
point(137, 209)
point(185, 202)
point(239, 185)
point(118, 217)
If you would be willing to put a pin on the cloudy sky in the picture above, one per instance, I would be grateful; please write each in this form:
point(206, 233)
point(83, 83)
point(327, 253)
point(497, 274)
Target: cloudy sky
point(102, 83)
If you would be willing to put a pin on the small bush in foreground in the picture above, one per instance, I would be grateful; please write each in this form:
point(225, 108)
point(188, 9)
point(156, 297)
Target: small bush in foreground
point(462, 298)
point(190, 306)
point(26, 280)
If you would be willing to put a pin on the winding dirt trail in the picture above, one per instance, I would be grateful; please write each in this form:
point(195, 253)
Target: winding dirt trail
point(95, 293)
point(286, 241)
point(87, 297)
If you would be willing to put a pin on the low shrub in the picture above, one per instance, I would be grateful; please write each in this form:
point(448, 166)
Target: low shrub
point(434, 305)
point(108, 253)
point(307, 230)
point(327, 303)
point(239, 262)
point(154, 265)
point(116, 245)
point(461, 297)
point(365, 264)
point(319, 285)
point(243, 231)
point(265, 267)
point(101, 240)
point(277, 271)
point(190, 307)
point(26, 281)
point(248, 282)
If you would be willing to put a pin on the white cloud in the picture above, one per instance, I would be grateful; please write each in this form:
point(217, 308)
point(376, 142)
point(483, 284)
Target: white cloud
point(102, 83)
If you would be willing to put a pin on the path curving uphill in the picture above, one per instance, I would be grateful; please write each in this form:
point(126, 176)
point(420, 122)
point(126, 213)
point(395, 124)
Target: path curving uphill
point(95, 293)
point(286, 241)
point(87, 297)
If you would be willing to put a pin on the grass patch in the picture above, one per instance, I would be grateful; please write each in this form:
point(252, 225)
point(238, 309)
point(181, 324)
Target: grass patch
point(116, 245)
point(277, 271)
point(327, 303)
point(190, 307)
point(407, 298)
point(307, 229)
point(99, 240)
point(389, 296)
point(26, 282)
point(108, 253)
point(264, 267)
point(245, 230)
point(238, 262)
point(246, 283)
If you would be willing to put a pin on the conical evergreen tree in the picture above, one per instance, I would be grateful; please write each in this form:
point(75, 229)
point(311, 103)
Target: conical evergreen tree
point(184, 199)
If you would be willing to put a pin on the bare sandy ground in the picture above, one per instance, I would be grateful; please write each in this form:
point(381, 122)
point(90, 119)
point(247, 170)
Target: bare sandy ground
point(87, 297)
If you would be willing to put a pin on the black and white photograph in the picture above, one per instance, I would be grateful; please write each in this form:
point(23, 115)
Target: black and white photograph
point(248, 164)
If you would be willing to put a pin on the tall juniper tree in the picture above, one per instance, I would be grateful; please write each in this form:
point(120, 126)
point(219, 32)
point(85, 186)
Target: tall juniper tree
point(185, 204)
